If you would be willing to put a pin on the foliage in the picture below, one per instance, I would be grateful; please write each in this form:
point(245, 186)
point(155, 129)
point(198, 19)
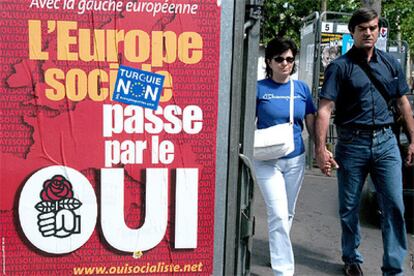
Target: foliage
point(284, 17)
point(400, 13)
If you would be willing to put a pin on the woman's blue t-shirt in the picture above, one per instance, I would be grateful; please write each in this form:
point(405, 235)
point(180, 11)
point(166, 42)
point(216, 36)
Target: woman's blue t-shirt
point(272, 107)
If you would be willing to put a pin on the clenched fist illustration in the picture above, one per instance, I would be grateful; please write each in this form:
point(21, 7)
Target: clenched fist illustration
point(59, 224)
point(57, 217)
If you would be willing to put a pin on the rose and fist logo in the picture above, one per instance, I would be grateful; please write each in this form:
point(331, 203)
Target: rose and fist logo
point(57, 217)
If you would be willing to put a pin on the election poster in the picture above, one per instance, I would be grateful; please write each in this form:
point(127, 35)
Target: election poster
point(331, 48)
point(108, 136)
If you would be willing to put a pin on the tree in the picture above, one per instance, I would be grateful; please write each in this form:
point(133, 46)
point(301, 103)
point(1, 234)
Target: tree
point(375, 4)
point(284, 17)
point(400, 15)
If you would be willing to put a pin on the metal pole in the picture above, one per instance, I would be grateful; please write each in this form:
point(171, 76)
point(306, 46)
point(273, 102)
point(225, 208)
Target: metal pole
point(324, 8)
point(239, 222)
point(232, 212)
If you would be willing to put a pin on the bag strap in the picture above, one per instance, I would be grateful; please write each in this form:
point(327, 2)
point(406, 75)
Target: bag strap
point(378, 85)
point(363, 64)
point(292, 88)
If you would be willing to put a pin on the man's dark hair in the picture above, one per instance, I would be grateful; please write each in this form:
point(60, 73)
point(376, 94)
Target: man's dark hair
point(361, 15)
point(276, 47)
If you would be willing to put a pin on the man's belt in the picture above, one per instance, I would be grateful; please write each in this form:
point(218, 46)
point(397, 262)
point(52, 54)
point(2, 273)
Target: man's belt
point(367, 127)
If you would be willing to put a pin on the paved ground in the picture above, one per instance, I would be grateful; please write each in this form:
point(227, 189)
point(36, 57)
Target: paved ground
point(316, 233)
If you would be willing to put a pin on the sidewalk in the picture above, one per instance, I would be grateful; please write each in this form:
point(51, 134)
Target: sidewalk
point(316, 233)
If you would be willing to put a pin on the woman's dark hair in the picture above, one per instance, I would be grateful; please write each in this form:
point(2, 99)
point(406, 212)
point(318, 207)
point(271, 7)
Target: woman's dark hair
point(360, 16)
point(276, 47)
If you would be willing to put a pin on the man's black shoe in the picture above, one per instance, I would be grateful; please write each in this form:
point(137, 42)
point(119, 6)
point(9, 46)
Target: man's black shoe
point(353, 270)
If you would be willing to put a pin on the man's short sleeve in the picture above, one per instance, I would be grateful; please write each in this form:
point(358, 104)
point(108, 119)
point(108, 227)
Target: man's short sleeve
point(332, 82)
point(402, 83)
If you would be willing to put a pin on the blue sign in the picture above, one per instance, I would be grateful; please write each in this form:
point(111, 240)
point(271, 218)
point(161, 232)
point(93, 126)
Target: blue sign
point(347, 42)
point(138, 87)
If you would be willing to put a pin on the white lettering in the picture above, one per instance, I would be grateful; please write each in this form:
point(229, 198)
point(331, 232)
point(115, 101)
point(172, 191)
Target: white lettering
point(116, 232)
point(186, 207)
point(171, 119)
point(114, 229)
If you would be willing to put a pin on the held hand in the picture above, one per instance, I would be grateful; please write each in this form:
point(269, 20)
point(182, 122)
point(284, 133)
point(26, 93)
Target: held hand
point(326, 161)
point(409, 161)
point(331, 164)
point(332, 161)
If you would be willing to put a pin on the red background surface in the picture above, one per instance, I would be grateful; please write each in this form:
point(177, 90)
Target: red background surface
point(36, 132)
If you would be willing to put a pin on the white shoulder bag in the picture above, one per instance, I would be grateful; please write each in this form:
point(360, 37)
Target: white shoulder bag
point(275, 141)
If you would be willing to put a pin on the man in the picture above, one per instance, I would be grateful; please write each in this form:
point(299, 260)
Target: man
point(366, 143)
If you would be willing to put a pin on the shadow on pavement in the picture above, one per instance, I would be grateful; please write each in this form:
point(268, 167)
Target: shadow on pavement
point(316, 261)
point(261, 253)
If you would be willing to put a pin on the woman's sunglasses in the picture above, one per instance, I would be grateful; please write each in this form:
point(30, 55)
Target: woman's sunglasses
point(281, 59)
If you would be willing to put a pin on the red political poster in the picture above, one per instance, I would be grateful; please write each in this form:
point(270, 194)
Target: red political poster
point(92, 184)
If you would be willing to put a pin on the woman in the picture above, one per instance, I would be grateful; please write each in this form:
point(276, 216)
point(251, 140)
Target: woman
point(280, 179)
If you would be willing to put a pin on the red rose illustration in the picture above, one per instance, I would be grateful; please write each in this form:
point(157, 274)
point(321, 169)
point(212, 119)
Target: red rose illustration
point(56, 189)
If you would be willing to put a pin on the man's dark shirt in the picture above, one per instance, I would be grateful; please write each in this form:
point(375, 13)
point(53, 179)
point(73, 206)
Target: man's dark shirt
point(357, 101)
